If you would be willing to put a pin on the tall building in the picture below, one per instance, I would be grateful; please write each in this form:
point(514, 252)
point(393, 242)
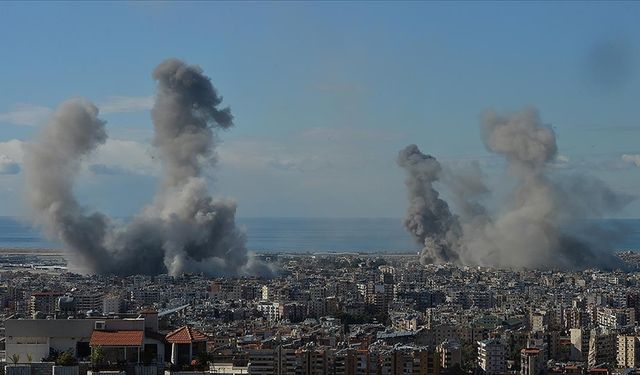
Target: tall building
point(532, 361)
point(264, 362)
point(312, 361)
point(450, 354)
point(628, 353)
point(602, 348)
point(415, 361)
point(579, 344)
point(44, 302)
point(609, 318)
point(270, 310)
point(491, 357)
point(112, 303)
point(89, 300)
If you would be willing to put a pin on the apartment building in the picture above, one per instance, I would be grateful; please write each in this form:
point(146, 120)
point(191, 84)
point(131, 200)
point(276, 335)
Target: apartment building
point(44, 302)
point(628, 351)
point(532, 361)
point(491, 357)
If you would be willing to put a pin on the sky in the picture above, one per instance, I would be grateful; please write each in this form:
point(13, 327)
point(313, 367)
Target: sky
point(324, 94)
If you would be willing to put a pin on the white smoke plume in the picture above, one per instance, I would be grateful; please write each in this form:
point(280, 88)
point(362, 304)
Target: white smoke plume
point(184, 229)
point(545, 221)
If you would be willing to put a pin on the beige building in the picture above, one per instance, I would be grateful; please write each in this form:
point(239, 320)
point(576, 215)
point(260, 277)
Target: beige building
point(579, 344)
point(44, 302)
point(628, 352)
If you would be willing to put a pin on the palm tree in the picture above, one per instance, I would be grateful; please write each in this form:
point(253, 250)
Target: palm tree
point(15, 359)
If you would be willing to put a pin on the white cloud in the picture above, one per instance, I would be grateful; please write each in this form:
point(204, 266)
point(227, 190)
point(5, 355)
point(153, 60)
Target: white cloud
point(561, 162)
point(34, 115)
point(118, 156)
point(8, 165)
point(125, 104)
point(12, 149)
point(350, 134)
point(330, 149)
point(252, 154)
point(26, 114)
point(632, 158)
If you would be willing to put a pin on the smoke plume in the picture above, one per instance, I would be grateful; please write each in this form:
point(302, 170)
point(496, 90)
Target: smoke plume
point(428, 218)
point(543, 223)
point(184, 229)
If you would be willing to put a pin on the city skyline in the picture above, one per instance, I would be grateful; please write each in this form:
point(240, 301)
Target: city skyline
point(319, 188)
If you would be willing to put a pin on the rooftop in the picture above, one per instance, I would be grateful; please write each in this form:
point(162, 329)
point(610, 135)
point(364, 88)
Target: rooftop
point(117, 338)
point(186, 335)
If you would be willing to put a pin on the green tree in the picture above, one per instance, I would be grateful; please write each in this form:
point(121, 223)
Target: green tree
point(97, 357)
point(15, 359)
point(66, 359)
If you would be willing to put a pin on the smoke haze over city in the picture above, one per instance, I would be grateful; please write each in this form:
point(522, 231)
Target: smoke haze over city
point(319, 188)
point(543, 222)
point(116, 143)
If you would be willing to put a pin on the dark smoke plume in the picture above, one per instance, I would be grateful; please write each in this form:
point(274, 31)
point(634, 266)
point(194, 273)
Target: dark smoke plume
point(543, 224)
point(428, 217)
point(184, 229)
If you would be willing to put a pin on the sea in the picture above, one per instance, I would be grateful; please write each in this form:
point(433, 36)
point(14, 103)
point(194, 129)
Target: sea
point(306, 235)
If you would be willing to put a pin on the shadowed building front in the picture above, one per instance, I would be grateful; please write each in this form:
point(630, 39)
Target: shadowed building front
point(186, 343)
point(118, 346)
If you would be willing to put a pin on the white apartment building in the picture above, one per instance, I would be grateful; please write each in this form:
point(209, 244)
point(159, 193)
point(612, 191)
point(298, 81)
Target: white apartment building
point(491, 357)
point(270, 310)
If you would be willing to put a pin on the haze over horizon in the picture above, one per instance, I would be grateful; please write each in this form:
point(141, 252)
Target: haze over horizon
point(325, 94)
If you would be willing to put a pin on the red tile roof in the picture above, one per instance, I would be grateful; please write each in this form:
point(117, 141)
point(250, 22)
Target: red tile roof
point(117, 338)
point(186, 335)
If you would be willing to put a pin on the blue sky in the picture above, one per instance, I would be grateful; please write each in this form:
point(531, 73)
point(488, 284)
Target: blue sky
point(325, 94)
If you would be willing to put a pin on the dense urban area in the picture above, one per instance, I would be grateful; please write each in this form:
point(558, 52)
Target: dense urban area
point(324, 314)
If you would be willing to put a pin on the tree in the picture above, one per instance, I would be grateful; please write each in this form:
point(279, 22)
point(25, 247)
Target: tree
point(66, 359)
point(53, 355)
point(97, 357)
point(15, 359)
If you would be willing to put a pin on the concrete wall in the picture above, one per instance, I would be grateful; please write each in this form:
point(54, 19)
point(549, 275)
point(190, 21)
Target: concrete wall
point(49, 328)
point(46, 368)
point(41, 368)
point(37, 351)
point(17, 370)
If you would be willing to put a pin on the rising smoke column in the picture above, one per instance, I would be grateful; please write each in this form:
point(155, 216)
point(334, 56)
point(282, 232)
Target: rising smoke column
point(543, 223)
point(184, 229)
point(185, 115)
point(428, 217)
point(51, 165)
